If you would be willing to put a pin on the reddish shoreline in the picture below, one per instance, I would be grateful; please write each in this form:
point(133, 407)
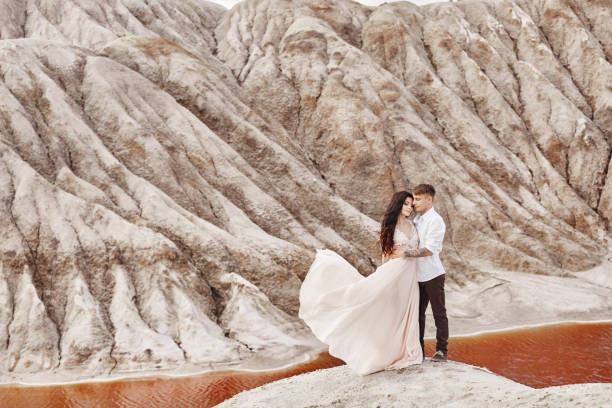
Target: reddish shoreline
point(560, 342)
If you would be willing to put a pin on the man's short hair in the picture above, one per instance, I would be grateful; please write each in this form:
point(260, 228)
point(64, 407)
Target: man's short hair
point(427, 189)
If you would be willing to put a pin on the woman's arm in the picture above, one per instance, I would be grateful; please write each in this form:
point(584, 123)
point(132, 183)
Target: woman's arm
point(385, 258)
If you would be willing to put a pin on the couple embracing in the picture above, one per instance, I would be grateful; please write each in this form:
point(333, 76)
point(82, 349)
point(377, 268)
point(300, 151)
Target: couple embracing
point(378, 322)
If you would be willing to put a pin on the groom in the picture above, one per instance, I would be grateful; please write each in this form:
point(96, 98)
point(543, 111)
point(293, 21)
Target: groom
point(431, 274)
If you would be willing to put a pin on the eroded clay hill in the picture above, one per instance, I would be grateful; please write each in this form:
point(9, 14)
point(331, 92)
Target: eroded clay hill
point(167, 168)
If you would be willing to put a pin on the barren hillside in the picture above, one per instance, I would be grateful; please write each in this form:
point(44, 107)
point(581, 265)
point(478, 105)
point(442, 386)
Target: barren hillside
point(168, 167)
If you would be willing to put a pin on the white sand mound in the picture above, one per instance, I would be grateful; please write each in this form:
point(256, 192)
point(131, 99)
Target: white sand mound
point(429, 385)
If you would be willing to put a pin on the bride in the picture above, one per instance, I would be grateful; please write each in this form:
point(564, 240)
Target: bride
point(369, 322)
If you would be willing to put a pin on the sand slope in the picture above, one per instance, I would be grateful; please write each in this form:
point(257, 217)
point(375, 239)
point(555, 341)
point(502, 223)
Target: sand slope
point(429, 385)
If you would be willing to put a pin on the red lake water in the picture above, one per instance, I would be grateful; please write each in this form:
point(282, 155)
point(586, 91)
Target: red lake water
point(538, 357)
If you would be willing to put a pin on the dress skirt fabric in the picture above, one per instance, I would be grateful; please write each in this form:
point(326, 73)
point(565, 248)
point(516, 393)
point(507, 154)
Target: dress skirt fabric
point(369, 322)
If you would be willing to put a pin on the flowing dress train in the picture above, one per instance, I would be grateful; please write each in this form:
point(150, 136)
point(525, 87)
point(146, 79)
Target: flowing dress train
point(369, 322)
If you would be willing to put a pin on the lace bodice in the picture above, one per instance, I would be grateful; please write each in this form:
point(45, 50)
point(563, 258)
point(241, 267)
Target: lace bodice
point(404, 241)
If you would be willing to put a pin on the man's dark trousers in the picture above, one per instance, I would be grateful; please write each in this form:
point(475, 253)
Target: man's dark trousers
point(433, 291)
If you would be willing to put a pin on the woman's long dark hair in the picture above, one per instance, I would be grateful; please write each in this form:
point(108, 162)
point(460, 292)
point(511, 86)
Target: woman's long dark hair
point(387, 229)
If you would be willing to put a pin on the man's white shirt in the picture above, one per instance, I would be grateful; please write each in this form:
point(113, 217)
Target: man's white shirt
point(431, 229)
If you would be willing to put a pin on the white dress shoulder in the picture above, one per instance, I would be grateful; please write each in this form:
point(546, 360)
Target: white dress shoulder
point(369, 322)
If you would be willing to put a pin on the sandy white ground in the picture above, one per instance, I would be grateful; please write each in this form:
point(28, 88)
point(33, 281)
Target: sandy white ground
point(428, 385)
point(512, 299)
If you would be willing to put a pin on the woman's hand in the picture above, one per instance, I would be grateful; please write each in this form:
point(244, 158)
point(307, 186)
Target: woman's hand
point(384, 259)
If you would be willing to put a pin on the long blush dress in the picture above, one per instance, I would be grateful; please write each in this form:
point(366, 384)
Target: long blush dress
point(372, 323)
